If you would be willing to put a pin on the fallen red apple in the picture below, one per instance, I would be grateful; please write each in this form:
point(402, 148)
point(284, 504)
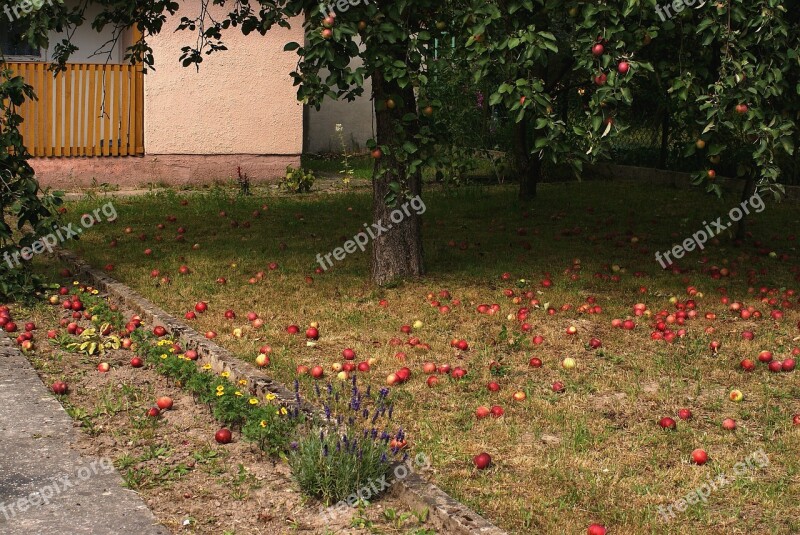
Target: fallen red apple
point(667, 423)
point(201, 307)
point(223, 436)
point(191, 354)
point(349, 354)
point(497, 411)
point(164, 403)
point(788, 365)
point(153, 412)
point(558, 387)
point(482, 412)
point(596, 529)
point(685, 414)
point(747, 365)
point(482, 461)
point(535, 362)
point(317, 372)
point(729, 424)
point(699, 456)
point(137, 362)
point(59, 388)
point(493, 386)
point(103, 367)
point(292, 329)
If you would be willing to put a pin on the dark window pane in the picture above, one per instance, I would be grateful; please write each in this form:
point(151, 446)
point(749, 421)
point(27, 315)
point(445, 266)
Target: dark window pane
point(11, 43)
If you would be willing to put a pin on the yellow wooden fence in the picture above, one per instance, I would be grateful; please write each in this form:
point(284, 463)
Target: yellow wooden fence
point(87, 110)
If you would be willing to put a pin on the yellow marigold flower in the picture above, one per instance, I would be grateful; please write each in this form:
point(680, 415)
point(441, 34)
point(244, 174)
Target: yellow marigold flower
point(242, 382)
point(172, 350)
point(253, 401)
point(263, 423)
point(270, 396)
point(163, 356)
point(75, 283)
point(220, 393)
point(238, 393)
point(284, 411)
point(225, 374)
point(95, 292)
point(220, 387)
point(206, 366)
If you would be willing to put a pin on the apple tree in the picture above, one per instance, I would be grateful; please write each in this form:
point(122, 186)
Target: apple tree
point(733, 80)
point(542, 52)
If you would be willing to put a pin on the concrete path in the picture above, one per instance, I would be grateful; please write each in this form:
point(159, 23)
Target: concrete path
point(46, 486)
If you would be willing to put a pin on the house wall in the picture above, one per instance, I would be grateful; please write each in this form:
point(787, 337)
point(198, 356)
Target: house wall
point(240, 102)
point(90, 41)
point(356, 118)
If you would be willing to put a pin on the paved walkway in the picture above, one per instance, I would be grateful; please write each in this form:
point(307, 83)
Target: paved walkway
point(45, 485)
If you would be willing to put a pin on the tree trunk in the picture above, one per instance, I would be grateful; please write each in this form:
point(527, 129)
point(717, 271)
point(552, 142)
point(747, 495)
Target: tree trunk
point(397, 250)
point(529, 168)
point(747, 192)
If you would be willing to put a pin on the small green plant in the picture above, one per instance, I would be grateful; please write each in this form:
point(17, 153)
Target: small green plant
point(298, 180)
point(243, 181)
point(272, 428)
point(346, 171)
point(332, 467)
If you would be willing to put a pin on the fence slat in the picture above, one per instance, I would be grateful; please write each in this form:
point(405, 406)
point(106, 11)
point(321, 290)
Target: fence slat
point(125, 109)
point(58, 115)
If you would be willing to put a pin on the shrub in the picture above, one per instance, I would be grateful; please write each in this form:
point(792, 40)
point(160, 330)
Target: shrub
point(297, 180)
point(332, 467)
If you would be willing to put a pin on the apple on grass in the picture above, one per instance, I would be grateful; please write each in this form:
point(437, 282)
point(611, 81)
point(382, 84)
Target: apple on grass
point(736, 395)
point(667, 423)
point(59, 388)
point(262, 360)
point(103, 367)
point(699, 456)
point(164, 403)
point(482, 461)
point(596, 529)
point(729, 424)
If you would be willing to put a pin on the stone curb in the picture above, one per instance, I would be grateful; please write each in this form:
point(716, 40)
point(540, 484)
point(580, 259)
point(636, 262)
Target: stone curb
point(446, 513)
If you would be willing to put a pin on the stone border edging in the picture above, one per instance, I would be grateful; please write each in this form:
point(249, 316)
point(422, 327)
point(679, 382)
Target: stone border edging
point(445, 512)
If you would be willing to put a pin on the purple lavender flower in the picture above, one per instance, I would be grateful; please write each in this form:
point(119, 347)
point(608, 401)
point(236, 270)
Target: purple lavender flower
point(365, 413)
point(391, 409)
point(374, 433)
point(375, 416)
point(400, 435)
point(327, 412)
point(384, 436)
point(294, 445)
point(369, 391)
point(405, 457)
point(383, 393)
point(384, 459)
point(316, 389)
point(296, 386)
point(325, 450)
point(330, 389)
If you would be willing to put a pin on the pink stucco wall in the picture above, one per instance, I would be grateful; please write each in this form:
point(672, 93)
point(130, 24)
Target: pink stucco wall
point(241, 102)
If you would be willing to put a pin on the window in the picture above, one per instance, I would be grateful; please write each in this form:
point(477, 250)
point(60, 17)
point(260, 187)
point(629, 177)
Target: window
point(11, 43)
